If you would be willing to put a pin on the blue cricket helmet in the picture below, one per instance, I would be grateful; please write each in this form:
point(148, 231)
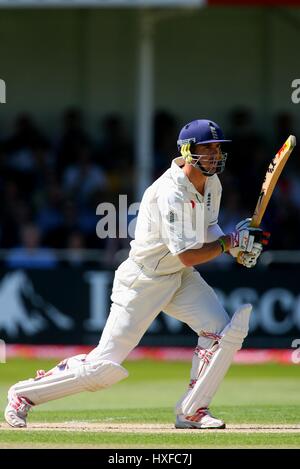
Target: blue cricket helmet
point(200, 131)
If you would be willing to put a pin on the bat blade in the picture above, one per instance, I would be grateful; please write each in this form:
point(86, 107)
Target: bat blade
point(273, 172)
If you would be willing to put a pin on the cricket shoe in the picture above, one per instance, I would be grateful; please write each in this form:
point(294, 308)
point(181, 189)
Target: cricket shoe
point(16, 410)
point(201, 419)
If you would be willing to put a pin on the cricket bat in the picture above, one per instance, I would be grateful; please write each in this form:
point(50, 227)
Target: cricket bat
point(273, 172)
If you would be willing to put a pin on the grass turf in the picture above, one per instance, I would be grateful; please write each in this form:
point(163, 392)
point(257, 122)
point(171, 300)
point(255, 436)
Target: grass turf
point(263, 394)
point(149, 440)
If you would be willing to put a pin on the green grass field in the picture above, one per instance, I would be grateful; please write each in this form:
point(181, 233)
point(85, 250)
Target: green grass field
point(138, 412)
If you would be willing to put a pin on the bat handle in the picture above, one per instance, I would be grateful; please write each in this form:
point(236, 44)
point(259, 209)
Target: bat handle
point(239, 257)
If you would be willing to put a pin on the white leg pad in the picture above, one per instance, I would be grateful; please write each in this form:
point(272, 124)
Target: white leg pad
point(212, 374)
point(87, 376)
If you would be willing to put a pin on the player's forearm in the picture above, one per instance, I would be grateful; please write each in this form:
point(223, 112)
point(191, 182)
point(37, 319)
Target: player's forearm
point(206, 253)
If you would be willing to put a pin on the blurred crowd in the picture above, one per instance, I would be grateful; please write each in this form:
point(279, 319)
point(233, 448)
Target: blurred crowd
point(51, 185)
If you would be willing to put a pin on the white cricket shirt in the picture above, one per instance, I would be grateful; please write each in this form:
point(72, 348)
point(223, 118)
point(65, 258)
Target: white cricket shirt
point(174, 217)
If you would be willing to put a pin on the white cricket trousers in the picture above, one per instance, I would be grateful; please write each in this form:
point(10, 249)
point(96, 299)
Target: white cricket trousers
point(138, 297)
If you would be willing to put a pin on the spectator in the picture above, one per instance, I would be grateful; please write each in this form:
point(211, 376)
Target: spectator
point(49, 216)
point(26, 137)
point(72, 139)
point(76, 245)
point(30, 255)
point(20, 148)
point(82, 179)
point(247, 150)
point(115, 154)
point(15, 211)
point(58, 236)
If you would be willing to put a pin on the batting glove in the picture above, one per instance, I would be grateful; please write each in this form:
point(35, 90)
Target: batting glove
point(249, 259)
point(244, 237)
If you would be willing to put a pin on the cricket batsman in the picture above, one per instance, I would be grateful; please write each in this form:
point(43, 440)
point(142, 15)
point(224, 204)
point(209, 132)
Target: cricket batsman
point(177, 229)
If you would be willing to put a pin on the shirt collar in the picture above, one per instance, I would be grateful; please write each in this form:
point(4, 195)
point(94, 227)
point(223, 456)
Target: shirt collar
point(180, 178)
